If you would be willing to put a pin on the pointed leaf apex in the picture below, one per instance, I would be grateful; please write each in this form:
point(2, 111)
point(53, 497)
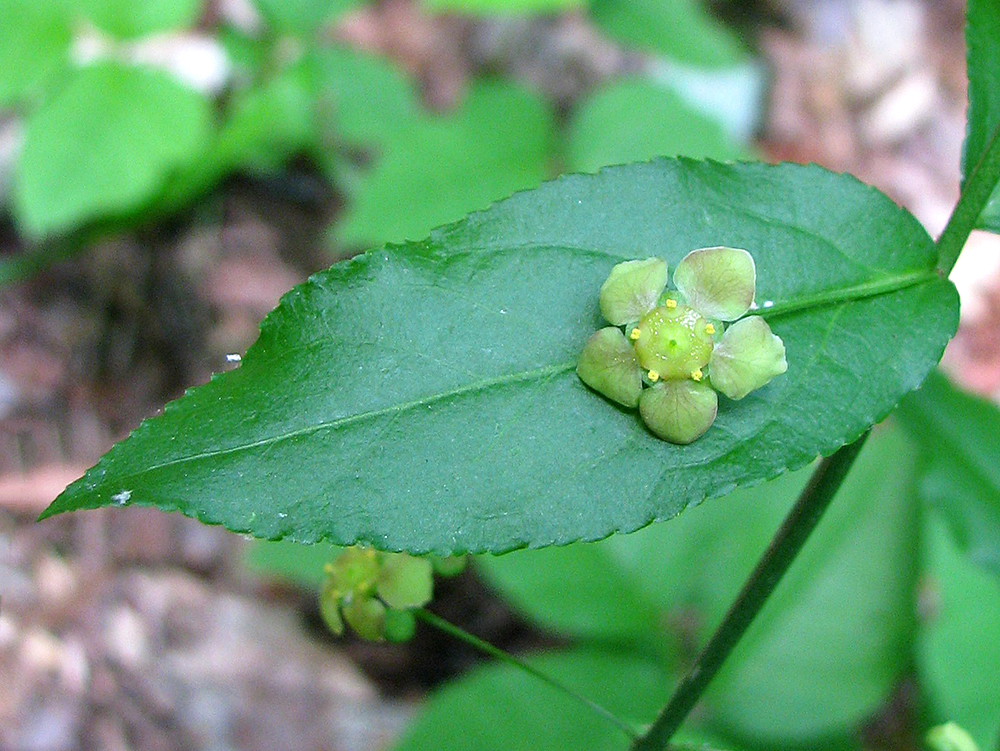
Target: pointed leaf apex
point(632, 289)
point(717, 282)
point(748, 356)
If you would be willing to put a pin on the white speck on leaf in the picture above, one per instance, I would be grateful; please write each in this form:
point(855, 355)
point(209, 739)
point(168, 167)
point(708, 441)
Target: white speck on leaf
point(120, 499)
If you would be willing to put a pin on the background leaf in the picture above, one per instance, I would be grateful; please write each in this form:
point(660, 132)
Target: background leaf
point(441, 168)
point(34, 41)
point(632, 120)
point(531, 715)
point(133, 18)
point(829, 646)
point(682, 30)
point(500, 7)
point(104, 144)
point(302, 16)
point(959, 436)
point(959, 648)
point(368, 100)
point(982, 33)
point(837, 634)
point(423, 397)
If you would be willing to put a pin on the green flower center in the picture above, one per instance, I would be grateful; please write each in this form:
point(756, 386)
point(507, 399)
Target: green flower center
point(673, 342)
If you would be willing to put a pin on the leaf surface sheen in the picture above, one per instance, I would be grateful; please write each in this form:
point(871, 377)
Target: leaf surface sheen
point(422, 397)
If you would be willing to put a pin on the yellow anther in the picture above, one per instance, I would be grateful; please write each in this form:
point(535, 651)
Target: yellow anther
point(671, 303)
point(634, 334)
point(709, 328)
point(654, 376)
point(696, 374)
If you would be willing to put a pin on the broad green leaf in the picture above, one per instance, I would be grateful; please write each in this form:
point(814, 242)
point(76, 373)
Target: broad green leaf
point(682, 30)
point(423, 397)
point(34, 41)
point(959, 646)
point(500, 7)
point(440, 168)
point(632, 120)
point(833, 643)
point(302, 16)
point(982, 33)
point(959, 436)
point(367, 100)
point(104, 144)
point(500, 708)
point(133, 18)
point(837, 635)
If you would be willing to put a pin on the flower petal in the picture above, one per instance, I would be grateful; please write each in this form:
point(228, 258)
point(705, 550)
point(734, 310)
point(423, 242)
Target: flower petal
point(717, 282)
point(748, 356)
point(631, 290)
point(366, 616)
point(609, 366)
point(405, 581)
point(679, 411)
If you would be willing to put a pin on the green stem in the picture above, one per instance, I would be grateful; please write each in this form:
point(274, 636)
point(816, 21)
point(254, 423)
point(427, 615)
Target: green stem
point(975, 195)
point(777, 559)
point(484, 646)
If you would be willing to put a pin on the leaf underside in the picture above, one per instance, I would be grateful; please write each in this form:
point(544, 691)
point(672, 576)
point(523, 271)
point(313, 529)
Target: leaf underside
point(422, 397)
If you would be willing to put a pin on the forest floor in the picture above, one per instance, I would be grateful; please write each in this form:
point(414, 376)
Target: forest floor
point(129, 628)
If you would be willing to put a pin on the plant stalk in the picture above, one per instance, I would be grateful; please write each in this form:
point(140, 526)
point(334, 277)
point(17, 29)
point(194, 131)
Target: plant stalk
point(975, 195)
point(787, 542)
point(484, 646)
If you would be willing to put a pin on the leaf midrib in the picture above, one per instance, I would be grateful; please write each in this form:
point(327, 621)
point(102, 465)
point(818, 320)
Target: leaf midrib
point(835, 296)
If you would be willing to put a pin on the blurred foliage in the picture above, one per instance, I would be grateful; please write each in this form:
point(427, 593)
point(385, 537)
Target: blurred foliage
point(635, 119)
point(958, 655)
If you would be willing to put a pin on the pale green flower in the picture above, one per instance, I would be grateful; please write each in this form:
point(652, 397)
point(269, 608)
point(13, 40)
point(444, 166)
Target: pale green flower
point(678, 350)
point(375, 592)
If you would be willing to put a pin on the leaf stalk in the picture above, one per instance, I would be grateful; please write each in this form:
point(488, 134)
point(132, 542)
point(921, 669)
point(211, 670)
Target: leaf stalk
point(975, 195)
point(777, 559)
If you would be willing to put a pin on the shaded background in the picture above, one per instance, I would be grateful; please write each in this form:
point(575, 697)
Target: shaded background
point(144, 235)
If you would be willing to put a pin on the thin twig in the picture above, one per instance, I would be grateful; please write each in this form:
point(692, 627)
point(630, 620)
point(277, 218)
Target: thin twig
point(495, 652)
point(777, 559)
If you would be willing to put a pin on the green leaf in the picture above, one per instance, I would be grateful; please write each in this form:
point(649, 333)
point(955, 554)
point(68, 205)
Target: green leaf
point(500, 7)
point(836, 636)
point(302, 17)
point(423, 397)
point(634, 119)
point(959, 647)
point(682, 30)
point(626, 586)
point(441, 168)
point(104, 144)
point(34, 42)
point(266, 126)
point(133, 18)
point(300, 564)
point(367, 100)
point(833, 642)
point(982, 33)
point(531, 715)
point(959, 435)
